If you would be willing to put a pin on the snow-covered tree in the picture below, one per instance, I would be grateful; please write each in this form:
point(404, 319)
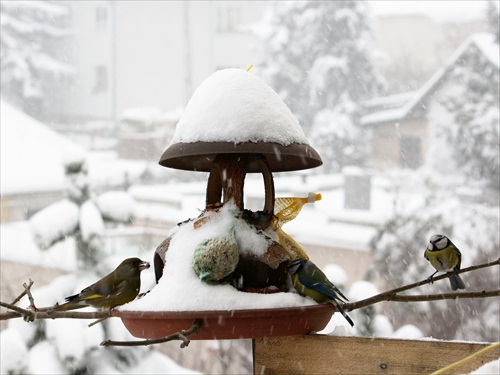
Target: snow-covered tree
point(461, 190)
point(475, 109)
point(69, 346)
point(317, 55)
point(33, 64)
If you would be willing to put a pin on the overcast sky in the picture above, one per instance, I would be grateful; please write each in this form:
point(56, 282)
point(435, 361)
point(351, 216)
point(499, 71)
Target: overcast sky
point(437, 10)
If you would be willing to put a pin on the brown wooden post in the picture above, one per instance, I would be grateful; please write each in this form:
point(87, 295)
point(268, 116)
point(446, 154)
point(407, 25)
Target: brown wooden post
point(320, 354)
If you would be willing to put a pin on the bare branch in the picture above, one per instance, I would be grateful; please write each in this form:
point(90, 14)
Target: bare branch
point(392, 295)
point(50, 313)
point(18, 298)
point(443, 296)
point(182, 335)
point(27, 289)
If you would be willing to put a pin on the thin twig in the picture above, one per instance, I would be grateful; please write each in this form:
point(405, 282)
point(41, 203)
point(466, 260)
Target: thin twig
point(390, 294)
point(18, 298)
point(27, 289)
point(182, 335)
point(98, 321)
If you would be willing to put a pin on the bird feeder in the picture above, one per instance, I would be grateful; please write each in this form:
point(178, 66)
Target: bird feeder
point(233, 125)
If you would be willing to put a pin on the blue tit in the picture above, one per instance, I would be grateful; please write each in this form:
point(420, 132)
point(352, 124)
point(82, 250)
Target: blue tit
point(445, 256)
point(309, 281)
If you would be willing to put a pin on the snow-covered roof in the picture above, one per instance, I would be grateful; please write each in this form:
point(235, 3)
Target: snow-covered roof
point(32, 155)
point(484, 42)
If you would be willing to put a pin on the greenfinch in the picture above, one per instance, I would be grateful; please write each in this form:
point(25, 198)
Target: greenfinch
point(309, 281)
point(117, 288)
point(445, 256)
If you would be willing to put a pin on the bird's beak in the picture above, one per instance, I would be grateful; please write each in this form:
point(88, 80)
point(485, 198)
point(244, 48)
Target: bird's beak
point(143, 266)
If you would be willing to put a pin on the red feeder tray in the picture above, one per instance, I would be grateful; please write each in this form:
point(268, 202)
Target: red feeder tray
point(228, 324)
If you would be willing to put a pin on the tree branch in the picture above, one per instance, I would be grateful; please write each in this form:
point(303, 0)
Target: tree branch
point(392, 295)
point(182, 335)
point(32, 313)
point(443, 296)
point(50, 313)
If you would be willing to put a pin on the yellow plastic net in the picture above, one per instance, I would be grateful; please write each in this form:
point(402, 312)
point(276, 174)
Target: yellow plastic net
point(286, 209)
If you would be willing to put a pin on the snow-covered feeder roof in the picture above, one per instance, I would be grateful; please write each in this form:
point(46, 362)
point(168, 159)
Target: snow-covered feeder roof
point(233, 111)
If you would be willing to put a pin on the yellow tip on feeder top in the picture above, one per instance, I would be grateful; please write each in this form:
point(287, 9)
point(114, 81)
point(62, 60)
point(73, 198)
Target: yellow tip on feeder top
point(250, 67)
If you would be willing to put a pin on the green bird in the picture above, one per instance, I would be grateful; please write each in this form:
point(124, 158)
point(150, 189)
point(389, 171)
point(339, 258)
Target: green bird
point(119, 287)
point(309, 281)
point(445, 256)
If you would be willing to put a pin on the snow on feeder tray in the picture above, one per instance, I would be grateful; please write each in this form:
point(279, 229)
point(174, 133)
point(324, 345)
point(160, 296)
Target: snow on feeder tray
point(228, 267)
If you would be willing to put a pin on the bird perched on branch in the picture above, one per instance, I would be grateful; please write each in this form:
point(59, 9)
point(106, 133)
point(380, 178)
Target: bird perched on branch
point(309, 281)
point(119, 287)
point(445, 256)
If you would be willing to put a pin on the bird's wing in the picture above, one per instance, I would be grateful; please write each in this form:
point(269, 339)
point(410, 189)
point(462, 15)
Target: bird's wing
point(317, 286)
point(103, 288)
point(459, 254)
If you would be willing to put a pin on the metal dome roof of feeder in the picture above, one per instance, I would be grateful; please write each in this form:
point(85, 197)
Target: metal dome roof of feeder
point(233, 111)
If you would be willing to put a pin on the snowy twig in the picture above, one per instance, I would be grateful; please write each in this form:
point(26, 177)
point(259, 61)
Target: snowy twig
point(392, 295)
point(182, 335)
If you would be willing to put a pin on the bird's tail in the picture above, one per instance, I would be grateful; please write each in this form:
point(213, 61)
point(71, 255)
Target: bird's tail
point(456, 282)
point(341, 310)
point(72, 304)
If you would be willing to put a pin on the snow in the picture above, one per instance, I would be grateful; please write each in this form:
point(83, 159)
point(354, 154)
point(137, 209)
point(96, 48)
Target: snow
point(157, 363)
point(73, 338)
point(13, 354)
point(91, 222)
point(361, 290)
point(116, 206)
point(336, 275)
point(32, 155)
point(441, 11)
point(486, 44)
point(409, 332)
point(489, 368)
point(54, 222)
point(382, 326)
point(43, 359)
point(178, 271)
point(233, 105)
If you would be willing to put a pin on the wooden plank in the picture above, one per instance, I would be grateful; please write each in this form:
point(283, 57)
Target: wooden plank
point(320, 354)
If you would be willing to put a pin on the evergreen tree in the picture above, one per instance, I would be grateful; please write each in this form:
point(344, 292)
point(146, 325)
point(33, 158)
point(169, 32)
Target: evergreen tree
point(69, 346)
point(32, 57)
point(317, 56)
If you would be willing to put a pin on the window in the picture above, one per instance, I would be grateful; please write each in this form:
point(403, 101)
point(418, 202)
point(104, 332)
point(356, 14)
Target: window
point(100, 79)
